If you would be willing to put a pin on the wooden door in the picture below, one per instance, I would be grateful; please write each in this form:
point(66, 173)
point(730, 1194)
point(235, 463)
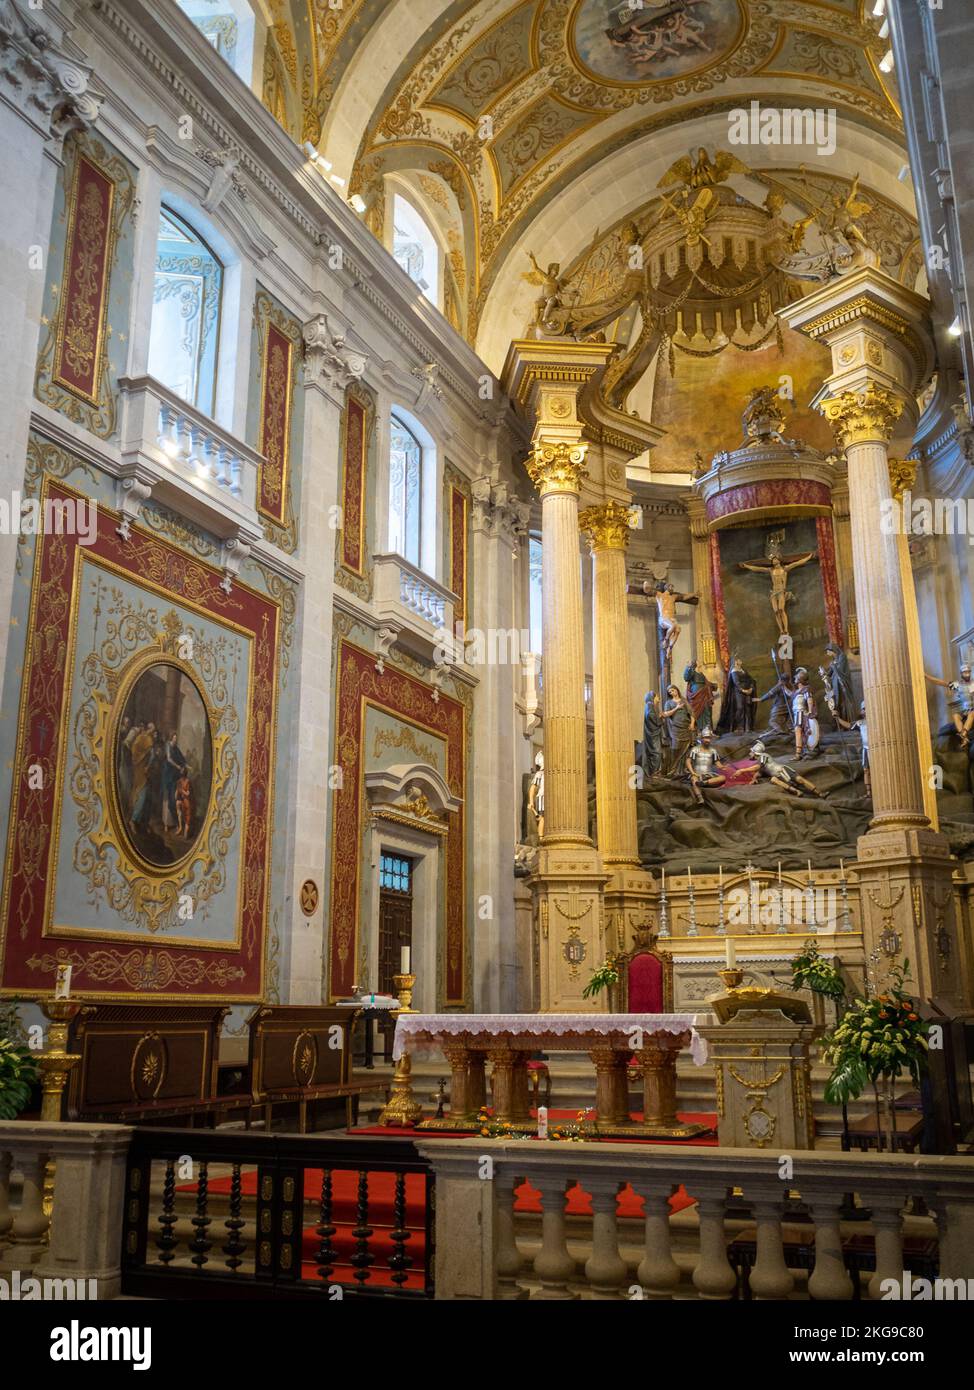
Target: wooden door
point(395, 916)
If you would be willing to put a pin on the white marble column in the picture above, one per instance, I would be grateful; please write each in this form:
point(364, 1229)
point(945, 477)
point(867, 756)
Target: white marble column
point(328, 369)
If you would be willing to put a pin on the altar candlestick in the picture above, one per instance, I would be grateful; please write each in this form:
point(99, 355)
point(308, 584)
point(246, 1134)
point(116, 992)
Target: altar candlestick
point(730, 951)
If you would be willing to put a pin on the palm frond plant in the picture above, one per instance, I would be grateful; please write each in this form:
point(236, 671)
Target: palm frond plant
point(810, 970)
point(602, 978)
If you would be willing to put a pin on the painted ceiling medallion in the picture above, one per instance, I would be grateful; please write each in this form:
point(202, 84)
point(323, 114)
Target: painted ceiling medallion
point(653, 41)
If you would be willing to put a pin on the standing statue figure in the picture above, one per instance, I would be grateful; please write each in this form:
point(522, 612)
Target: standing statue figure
point(860, 725)
point(778, 567)
point(553, 285)
point(536, 794)
point(964, 690)
point(700, 692)
point(650, 750)
point(737, 707)
point(804, 711)
point(680, 725)
point(780, 775)
point(703, 765)
point(838, 683)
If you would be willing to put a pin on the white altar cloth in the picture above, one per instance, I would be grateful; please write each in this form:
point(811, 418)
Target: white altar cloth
point(408, 1026)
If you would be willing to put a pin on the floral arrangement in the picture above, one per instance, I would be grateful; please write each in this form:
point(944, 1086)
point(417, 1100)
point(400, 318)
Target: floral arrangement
point(877, 1039)
point(810, 970)
point(603, 978)
point(572, 1132)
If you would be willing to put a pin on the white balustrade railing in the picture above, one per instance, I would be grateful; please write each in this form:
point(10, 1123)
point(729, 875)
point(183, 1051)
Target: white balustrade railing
point(744, 1232)
point(420, 597)
point(161, 428)
point(416, 605)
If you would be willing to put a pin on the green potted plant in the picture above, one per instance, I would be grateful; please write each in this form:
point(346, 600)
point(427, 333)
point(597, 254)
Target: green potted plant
point(18, 1068)
point(876, 1041)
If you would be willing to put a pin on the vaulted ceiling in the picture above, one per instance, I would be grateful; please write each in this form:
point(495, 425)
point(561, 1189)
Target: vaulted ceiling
point(542, 125)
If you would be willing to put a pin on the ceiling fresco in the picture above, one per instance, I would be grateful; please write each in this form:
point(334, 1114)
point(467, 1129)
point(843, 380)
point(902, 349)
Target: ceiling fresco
point(491, 114)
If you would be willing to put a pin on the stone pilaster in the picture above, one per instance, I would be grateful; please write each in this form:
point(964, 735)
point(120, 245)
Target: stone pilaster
point(43, 95)
point(495, 525)
point(330, 365)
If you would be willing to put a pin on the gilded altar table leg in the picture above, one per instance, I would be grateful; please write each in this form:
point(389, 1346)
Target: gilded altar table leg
point(510, 1078)
point(476, 1081)
point(461, 1102)
point(658, 1056)
point(611, 1086)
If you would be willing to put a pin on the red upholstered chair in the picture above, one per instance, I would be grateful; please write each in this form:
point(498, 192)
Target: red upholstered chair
point(645, 976)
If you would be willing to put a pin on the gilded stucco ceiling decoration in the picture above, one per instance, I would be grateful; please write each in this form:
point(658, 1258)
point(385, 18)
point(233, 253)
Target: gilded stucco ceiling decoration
point(512, 101)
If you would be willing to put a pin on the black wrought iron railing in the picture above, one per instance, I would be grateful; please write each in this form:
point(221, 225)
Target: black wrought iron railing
point(218, 1214)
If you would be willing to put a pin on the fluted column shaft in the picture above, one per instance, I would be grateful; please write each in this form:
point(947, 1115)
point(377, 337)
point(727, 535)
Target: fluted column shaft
point(864, 421)
point(608, 530)
point(556, 469)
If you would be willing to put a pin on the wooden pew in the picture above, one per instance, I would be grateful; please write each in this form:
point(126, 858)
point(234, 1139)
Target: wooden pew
point(303, 1053)
point(142, 1062)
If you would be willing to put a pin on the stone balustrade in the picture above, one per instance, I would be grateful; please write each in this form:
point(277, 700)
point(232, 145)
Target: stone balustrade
point(79, 1236)
point(417, 606)
point(159, 430)
point(749, 1228)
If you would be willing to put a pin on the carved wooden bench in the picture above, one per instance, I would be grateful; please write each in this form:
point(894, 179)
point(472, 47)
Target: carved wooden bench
point(303, 1053)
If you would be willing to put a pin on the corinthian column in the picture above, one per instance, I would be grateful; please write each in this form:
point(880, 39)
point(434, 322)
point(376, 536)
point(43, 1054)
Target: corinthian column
point(878, 333)
point(863, 422)
point(608, 530)
point(556, 469)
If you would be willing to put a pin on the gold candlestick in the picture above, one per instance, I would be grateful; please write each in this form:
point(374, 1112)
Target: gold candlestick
point(402, 1107)
point(56, 1062)
point(731, 976)
point(404, 993)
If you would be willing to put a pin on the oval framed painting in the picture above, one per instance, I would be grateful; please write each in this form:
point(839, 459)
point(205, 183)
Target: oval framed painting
point(622, 42)
point(162, 764)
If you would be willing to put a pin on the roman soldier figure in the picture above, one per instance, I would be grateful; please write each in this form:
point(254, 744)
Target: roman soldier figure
point(964, 691)
point(703, 765)
point(780, 775)
point(804, 711)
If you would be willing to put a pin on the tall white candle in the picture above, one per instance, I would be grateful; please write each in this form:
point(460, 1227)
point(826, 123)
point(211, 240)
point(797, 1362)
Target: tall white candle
point(720, 874)
point(62, 983)
point(731, 951)
point(689, 877)
point(404, 961)
point(779, 873)
point(809, 869)
point(842, 868)
point(662, 884)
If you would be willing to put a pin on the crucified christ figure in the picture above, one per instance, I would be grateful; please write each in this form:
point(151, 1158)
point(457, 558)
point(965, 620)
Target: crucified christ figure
point(666, 600)
point(778, 567)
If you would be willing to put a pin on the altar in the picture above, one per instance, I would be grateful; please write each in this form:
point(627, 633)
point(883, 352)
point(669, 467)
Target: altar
point(469, 1041)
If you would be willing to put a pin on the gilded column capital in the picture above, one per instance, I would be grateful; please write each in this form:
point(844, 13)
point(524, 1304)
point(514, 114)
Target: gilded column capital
point(557, 466)
point(863, 417)
point(902, 475)
point(607, 525)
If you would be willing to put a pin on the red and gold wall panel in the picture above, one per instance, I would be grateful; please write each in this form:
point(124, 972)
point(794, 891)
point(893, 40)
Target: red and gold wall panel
point(110, 961)
point(274, 442)
point(81, 328)
point(355, 435)
point(458, 552)
point(394, 692)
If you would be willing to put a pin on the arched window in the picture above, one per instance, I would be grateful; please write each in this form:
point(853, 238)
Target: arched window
point(185, 313)
point(415, 248)
point(229, 26)
point(405, 493)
